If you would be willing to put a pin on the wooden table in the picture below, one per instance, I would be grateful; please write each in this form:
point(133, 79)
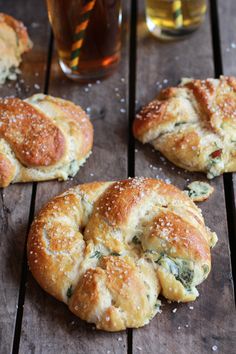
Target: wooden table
point(31, 321)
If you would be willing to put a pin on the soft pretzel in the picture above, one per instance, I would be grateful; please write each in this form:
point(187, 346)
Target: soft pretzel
point(14, 41)
point(42, 138)
point(108, 249)
point(193, 125)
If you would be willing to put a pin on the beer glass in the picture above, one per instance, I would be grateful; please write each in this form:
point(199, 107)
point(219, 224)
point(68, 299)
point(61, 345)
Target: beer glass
point(169, 19)
point(87, 35)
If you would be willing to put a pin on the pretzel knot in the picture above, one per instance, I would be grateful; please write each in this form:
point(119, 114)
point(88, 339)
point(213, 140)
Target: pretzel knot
point(108, 249)
point(193, 125)
point(42, 138)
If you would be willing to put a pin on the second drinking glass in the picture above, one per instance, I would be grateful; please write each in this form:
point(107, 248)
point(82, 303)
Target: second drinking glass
point(171, 19)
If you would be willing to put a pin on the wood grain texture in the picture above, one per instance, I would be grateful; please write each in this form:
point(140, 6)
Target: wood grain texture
point(48, 326)
point(227, 21)
point(15, 200)
point(211, 321)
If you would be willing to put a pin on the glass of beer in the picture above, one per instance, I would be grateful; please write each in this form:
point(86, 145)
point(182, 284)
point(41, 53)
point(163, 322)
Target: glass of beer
point(169, 19)
point(87, 35)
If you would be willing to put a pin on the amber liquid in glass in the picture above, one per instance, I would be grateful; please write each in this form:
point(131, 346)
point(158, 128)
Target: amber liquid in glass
point(161, 21)
point(100, 51)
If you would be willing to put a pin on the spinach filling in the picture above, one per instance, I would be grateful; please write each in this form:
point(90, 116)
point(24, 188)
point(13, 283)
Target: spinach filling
point(151, 252)
point(215, 161)
point(200, 191)
point(205, 268)
point(73, 168)
point(96, 254)
point(69, 292)
point(157, 305)
point(179, 123)
point(181, 269)
point(136, 240)
point(185, 277)
point(214, 167)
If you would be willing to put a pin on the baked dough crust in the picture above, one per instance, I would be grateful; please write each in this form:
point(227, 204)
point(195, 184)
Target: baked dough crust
point(42, 138)
point(107, 249)
point(193, 125)
point(14, 41)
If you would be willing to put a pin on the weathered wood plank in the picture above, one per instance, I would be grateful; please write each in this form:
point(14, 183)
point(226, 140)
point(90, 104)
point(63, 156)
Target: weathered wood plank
point(15, 200)
point(211, 320)
point(48, 326)
point(227, 21)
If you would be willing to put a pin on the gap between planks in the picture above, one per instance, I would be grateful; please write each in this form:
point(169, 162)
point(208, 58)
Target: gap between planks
point(132, 97)
point(227, 178)
point(132, 85)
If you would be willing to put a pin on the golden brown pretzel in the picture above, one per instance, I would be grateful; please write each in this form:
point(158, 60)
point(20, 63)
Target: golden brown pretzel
point(107, 249)
point(42, 138)
point(14, 41)
point(193, 125)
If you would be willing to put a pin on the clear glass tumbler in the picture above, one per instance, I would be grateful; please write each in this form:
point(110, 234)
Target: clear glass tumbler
point(170, 19)
point(87, 35)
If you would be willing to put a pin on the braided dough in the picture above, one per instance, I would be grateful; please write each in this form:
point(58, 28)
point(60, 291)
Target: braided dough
point(42, 138)
point(109, 249)
point(14, 41)
point(193, 125)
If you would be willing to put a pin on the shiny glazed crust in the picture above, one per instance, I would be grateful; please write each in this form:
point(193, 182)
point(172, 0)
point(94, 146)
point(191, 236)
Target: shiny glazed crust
point(42, 138)
point(108, 249)
point(193, 125)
